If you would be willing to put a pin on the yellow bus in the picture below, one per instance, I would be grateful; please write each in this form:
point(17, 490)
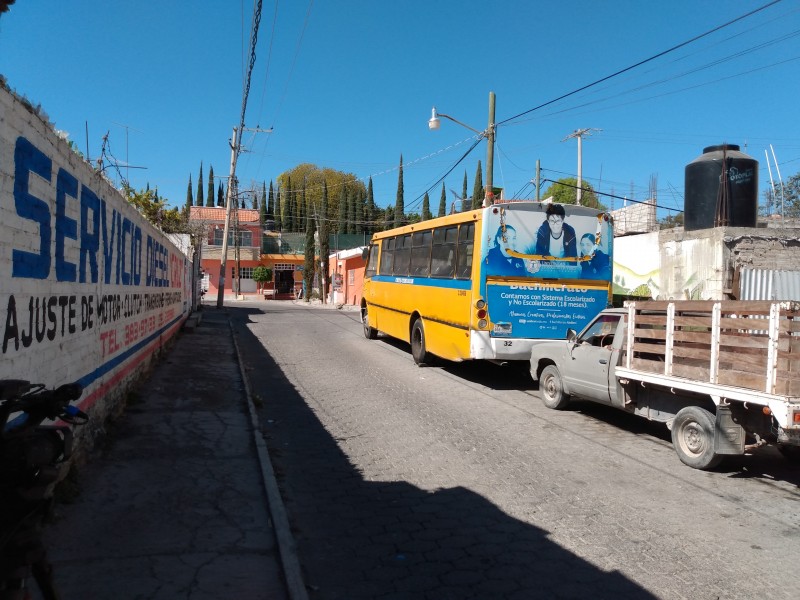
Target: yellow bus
point(486, 283)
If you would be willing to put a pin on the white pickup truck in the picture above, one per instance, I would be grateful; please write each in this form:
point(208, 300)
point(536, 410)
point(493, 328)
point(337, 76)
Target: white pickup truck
point(723, 376)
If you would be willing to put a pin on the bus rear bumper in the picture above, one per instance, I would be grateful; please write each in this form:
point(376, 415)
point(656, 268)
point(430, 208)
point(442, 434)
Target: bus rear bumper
point(485, 347)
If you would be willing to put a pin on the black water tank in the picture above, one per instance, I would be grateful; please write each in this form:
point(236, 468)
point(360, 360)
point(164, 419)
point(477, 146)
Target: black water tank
point(704, 201)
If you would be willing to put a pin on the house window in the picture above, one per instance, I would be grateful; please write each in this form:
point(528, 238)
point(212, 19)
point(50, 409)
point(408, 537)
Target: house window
point(245, 237)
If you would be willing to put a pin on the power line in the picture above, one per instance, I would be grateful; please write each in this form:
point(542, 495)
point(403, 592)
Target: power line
point(641, 62)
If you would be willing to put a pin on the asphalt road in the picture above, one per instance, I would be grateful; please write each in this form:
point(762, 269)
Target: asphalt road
point(455, 481)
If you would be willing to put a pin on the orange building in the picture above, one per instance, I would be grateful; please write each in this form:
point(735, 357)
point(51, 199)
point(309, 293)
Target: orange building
point(346, 273)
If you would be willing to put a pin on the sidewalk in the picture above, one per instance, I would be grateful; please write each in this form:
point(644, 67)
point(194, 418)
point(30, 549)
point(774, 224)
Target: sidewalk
point(182, 501)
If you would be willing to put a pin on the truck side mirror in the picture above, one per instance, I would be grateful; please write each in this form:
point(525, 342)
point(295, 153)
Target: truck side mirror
point(571, 335)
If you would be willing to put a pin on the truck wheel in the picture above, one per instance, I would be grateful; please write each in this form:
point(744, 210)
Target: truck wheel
point(790, 453)
point(551, 389)
point(421, 356)
point(369, 332)
point(693, 438)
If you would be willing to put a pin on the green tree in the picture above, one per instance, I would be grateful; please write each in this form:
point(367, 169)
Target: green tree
point(154, 209)
point(786, 200)
point(262, 275)
point(465, 202)
point(388, 218)
point(477, 188)
point(426, 207)
point(565, 191)
point(189, 197)
point(671, 221)
point(315, 176)
point(443, 203)
point(200, 186)
point(210, 195)
point(399, 204)
point(324, 240)
point(300, 209)
point(220, 195)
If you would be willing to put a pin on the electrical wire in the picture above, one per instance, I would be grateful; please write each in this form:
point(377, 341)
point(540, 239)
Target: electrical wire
point(640, 63)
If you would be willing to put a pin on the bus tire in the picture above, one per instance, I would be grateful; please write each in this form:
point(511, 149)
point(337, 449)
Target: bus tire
point(693, 438)
point(369, 332)
point(421, 355)
point(551, 388)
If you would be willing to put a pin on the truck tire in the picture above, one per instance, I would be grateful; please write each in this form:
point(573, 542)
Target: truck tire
point(693, 438)
point(790, 453)
point(418, 350)
point(551, 388)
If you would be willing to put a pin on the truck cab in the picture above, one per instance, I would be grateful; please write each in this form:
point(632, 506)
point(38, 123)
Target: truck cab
point(582, 365)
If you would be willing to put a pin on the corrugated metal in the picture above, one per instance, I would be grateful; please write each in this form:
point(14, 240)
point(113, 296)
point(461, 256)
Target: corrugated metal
point(768, 284)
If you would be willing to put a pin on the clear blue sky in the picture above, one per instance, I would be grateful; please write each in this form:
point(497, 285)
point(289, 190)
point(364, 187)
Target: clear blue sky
point(349, 84)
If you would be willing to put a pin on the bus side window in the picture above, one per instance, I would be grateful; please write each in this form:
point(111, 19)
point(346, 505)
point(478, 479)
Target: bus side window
point(466, 244)
point(372, 261)
point(443, 253)
point(387, 256)
point(421, 254)
point(402, 256)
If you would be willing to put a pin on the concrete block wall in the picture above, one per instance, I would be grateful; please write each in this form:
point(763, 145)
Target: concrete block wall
point(90, 291)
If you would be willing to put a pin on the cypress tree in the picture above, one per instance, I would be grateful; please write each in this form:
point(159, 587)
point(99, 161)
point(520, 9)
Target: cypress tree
point(465, 204)
point(399, 205)
point(372, 210)
point(278, 215)
point(443, 203)
point(352, 201)
point(388, 219)
point(342, 211)
point(189, 198)
point(324, 239)
point(300, 209)
point(288, 200)
point(220, 195)
point(477, 188)
point(426, 208)
point(210, 198)
point(200, 186)
point(262, 213)
point(308, 265)
point(271, 203)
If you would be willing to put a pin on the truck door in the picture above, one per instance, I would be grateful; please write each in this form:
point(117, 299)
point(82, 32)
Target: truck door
point(591, 360)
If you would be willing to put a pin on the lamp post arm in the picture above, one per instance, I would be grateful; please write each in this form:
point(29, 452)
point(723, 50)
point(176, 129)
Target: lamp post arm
point(481, 133)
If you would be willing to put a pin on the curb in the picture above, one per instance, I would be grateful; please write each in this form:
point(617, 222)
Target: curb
point(286, 543)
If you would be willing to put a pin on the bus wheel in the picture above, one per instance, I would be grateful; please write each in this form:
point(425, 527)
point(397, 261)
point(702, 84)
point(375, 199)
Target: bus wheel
point(551, 389)
point(418, 351)
point(369, 332)
point(693, 438)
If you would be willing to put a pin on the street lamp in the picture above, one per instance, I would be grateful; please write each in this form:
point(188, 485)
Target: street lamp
point(489, 133)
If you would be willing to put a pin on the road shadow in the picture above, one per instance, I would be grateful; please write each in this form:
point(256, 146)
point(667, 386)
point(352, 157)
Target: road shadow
point(360, 539)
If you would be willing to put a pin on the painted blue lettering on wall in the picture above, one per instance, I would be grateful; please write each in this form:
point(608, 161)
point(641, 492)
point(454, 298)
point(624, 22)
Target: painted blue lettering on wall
point(28, 159)
point(122, 238)
point(66, 186)
point(90, 240)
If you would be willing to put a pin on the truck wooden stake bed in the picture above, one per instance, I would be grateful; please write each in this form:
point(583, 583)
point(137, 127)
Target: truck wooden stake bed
point(723, 376)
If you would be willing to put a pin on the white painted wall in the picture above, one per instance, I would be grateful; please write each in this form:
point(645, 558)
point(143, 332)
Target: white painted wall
point(89, 290)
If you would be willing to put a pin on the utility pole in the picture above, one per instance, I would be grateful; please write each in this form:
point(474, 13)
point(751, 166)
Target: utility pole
point(490, 137)
point(579, 133)
point(538, 179)
point(230, 197)
point(223, 262)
